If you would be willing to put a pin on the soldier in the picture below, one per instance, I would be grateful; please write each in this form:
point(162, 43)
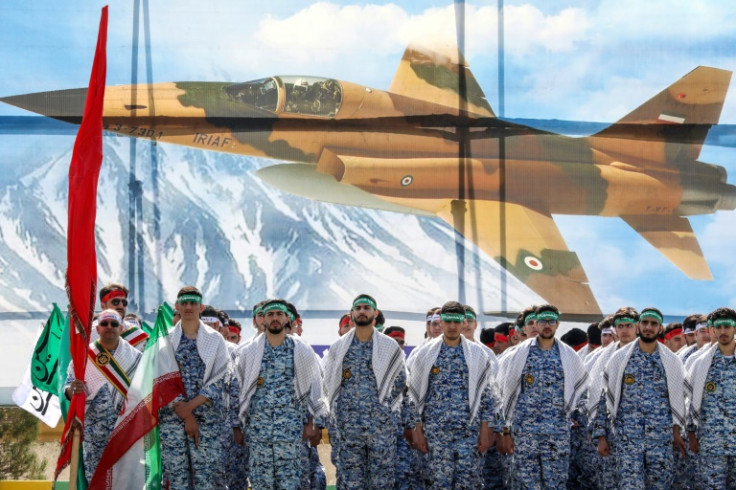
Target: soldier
point(698, 325)
point(114, 296)
point(233, 331)
point(346, 323)
point(501, 338)
point(542, 384)
point(674, 337)
point(110, 366)
point(364, 382)
point(258, 320)
point(644, 408)
point(594, 341)
point(471, 323)
point(450, 384)
point(712, 387)
point(280, 400)
point(191, 426)
point(487, 337)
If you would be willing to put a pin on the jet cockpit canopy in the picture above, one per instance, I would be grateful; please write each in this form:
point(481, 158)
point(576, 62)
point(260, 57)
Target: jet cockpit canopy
point(311, 96)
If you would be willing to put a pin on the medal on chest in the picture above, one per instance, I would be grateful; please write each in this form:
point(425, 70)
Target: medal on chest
point(435, 370)
point(529, 379)
point(710, 387)
point(629, 379)
point(346, 374)
point(103, 358)
point(260, 381)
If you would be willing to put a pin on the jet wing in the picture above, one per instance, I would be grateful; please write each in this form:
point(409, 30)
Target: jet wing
point(674, 237)
point(528, 244)
point(442, 77)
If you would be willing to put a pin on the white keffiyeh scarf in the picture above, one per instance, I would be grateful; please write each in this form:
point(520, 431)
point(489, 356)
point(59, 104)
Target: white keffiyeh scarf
point(127, 357)
point(695, 380)
point(211, 349)
point(597, 384)
point(479, 373)
point(307, 375)
point(673, 369)
point(387, 360)
point(575, 376)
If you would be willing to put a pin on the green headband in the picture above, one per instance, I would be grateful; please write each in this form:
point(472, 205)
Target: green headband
point(624, 319)
point(530, 316)
point(651, 314)
point(452, 317)
point(547, 315)
point(362, 300)
point(189, 298)
point(257, 311)
point(275, 306)
point(470, 315)
point(724, 322)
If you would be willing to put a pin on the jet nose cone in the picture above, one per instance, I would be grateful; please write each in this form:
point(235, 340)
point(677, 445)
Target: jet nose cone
point(67, 105)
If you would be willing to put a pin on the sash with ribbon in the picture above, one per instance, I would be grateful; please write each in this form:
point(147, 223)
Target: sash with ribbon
point(109, 367)
point(134, 336)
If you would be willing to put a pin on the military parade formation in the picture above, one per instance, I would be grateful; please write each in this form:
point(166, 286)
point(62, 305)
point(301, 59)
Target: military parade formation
point(630, 403)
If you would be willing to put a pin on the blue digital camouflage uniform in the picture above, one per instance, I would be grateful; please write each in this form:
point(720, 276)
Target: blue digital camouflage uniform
point(99, 419)
point(313, 473)
point(716, 460)
point(184, 465)
point(276, 422)
point(494, 470)
point(641, 436)
point(452, 438)
point(237, 467)
point(366, 428)
point(541, 429)
point(581, 474)
point(408, 476)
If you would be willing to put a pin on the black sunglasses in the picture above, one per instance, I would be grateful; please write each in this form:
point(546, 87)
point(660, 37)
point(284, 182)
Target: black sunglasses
point(117, 301)
point(111, 323)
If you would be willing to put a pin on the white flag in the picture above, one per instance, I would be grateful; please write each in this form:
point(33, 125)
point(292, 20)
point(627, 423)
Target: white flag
point(41, 404)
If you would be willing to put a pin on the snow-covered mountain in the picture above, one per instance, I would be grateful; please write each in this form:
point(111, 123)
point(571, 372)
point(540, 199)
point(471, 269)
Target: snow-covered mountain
point(227, 232)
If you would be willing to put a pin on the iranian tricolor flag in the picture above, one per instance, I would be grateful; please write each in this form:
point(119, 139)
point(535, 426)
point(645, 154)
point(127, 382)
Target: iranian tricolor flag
point(132, 458)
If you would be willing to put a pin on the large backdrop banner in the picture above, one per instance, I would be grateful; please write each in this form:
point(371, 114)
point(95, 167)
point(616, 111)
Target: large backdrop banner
point(502, 153)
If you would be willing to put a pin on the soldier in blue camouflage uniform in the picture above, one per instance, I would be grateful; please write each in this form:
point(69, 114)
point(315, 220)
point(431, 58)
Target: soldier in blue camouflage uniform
point(276, 415)
point(237, 466)
point(546, 377)
point(711, 424)
point(365, 405)
point(458, 431)
point(191, 427)
point(643, 430)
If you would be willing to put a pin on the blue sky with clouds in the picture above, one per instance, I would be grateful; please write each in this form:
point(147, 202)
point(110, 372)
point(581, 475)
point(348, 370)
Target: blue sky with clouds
point(579, 60)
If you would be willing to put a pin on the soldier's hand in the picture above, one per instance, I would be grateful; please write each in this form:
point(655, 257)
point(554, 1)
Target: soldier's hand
point(678, 442)
point(419, 442)
point(75, 387)
point(509, 443)
point(485, 439)
point(408, 435)
point(182, 410)
point(313, 434)
point(238, 436)
point(191, 427)
point(693, 440)
point(603, 448)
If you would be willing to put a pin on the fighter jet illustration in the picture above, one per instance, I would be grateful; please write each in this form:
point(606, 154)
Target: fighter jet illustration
point(431, 145)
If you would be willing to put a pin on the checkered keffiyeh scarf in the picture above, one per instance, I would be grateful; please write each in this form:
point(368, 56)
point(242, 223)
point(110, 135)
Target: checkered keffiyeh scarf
point(387, 360)
point(695, 381)
point(307, 375)
point(479, 373)
point(127, 357)
point(597, 384)
point(613, 376)
point(211, 349)
point(575, 376)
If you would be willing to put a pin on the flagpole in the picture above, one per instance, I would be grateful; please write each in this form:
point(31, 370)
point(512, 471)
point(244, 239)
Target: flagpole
point(74, 465)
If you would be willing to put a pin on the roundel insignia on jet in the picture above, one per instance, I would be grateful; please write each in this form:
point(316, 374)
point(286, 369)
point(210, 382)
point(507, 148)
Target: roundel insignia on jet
point(533, 263)
point(407, 180)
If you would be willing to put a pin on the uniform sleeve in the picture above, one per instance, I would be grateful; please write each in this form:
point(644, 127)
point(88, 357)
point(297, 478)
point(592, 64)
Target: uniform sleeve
point(233, 393)
point(399, 384)
point(600, 422)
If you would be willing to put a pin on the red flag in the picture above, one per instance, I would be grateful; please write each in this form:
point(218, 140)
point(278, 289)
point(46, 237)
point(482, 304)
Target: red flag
point(81, 272)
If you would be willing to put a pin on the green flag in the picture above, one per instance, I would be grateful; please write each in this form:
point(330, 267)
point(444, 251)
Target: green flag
point(45, 360)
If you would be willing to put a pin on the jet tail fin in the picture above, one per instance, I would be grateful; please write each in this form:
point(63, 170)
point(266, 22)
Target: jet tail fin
point(440, 75)
point(674, 237)
point(669, 128)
